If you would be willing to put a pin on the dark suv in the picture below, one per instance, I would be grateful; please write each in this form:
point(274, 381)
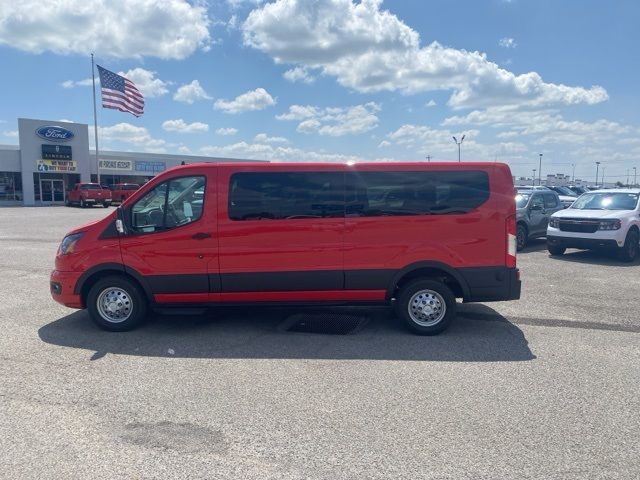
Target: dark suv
point(533, 210)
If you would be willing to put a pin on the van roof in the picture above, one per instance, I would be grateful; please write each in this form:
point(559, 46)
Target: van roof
point(462, 165)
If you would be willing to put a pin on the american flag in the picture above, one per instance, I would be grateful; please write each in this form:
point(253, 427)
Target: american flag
point(119, 93)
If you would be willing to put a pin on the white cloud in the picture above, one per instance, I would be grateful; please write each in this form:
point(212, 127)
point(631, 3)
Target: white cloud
point(184, 149)
point(371, 50)
point(10, 133)
point(299, 74)
point(226, 131)
point(384, 143)
point(507, 42)
point(190, 93)
point(87, 82)
point(334, 121)
point(146, 82)
point(181, 126)
point(257, 99)
point(171, 29)
point(129, 134)
point(430, 103)
point(261, 151)
point(264, 138)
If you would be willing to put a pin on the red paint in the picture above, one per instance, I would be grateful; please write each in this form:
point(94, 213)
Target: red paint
point(311, 296)
point(121, 191)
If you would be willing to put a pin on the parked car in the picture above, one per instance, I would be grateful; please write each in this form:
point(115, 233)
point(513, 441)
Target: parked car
point(121, 191)
point(88, 194)
point(533, 211)
point(567, 196)
point(415, 235)
point(603, 219)
point(578, 189)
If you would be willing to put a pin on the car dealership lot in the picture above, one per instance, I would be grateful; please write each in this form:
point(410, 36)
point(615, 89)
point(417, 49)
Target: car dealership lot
point(545, 387)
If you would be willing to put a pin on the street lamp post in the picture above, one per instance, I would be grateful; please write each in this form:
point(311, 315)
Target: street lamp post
point(573, 172)
point(627, 178)
point(459, 143)
point(533, 179)
point(540, 170)
point(428, 157)
point(634, 176)
point(603, 167)
point(597, 168)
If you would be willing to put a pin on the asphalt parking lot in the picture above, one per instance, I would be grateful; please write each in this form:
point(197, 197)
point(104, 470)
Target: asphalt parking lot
point(546, 387)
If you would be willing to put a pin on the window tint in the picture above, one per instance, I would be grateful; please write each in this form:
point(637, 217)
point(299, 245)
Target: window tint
point(550, 200)
point(90, 187)
point(415, 193)
point(537, 201)
point(173, 203)
point(286, 195)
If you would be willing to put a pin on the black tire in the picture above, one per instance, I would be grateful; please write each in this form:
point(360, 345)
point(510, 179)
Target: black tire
point(132, 294)
point(629, 251)
point(405, 297)
point(106, 204)
point(522, 236)
point(82, 203)
point(556, 250)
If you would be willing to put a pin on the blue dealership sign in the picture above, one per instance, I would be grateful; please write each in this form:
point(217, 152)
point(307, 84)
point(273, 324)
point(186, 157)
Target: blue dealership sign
point(54, 133)
point(149, 167)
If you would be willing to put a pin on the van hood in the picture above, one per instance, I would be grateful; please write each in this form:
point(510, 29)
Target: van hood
point(575, 213)
point(83, 228)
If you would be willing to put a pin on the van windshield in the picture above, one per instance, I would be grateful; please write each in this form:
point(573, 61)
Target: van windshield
point(606, 201)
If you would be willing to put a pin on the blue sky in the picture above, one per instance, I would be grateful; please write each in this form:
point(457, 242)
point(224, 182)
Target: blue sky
point(340, 80)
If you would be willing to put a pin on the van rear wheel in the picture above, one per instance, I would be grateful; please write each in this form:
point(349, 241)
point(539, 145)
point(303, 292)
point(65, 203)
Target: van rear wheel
point(116, 304)
point(427, 307)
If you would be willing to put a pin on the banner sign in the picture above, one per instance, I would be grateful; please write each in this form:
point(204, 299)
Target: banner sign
point(56, 152)
point(45, 165)
point(115, 165)
point(149, 167)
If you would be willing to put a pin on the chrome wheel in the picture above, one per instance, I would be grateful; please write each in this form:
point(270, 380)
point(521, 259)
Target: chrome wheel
point(114, 305)
point(427, 308)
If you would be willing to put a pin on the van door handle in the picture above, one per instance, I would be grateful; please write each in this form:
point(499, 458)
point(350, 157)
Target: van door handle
point(201, 236)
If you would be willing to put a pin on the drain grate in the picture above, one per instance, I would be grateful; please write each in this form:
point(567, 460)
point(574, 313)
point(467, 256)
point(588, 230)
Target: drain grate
point(325, 323)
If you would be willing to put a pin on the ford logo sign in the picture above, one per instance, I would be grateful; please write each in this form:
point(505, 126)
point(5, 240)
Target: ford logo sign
point(54, 134)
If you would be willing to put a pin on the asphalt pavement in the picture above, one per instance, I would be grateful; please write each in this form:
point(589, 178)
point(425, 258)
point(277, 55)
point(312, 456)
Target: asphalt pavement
point(543, 388)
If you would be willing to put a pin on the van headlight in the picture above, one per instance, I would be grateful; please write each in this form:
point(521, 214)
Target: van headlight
point(68, 244)
point(554, 222)
point(609, 225)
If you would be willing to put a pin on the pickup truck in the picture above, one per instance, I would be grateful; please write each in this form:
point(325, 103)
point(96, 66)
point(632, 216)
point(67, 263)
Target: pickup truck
point(88, 194)
point(121, 191)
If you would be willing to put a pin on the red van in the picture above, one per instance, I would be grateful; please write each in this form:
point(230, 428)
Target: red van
point(416, 235)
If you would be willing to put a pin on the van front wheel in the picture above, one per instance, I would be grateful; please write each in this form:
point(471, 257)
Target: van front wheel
point(427, 307)
point(116, 304)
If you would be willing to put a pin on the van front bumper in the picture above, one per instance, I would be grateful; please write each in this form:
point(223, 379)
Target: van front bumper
point(62, 285)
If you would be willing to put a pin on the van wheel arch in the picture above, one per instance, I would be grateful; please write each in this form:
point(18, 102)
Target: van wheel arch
point(91, 276)
point(430, 271)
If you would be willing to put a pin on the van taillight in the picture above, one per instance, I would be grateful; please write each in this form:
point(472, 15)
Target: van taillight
point(510, 257)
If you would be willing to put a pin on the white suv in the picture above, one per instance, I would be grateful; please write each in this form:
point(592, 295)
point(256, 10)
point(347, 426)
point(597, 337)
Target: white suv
point(598, 219)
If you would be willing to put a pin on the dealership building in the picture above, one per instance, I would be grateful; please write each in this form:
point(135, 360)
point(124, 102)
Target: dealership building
point(52, 156)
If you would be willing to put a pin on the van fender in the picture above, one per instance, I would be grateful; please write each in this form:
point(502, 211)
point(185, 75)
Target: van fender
point(427, 264)
point(119, 267)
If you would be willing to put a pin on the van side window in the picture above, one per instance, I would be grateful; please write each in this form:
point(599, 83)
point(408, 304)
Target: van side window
point(171, 204)
point(550, 200)
point(415, 193)
point(286, 195)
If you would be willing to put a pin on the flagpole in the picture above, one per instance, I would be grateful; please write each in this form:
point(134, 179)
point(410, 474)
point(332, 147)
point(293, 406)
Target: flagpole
point(95, 117)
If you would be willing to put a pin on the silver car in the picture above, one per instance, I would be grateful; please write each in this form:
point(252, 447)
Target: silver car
point(533, 210)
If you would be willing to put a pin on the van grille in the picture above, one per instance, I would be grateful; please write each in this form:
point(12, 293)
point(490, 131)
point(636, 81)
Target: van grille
point(578, 225)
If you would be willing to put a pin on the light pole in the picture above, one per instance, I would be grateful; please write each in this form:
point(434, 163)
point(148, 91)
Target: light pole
point(428, 157)
point(597, 167)
point(627, 178)
point(603, 167)
point(459, 143)
point(573, 172)
point(533, 179)
point(634, 176)
point(540, 170)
